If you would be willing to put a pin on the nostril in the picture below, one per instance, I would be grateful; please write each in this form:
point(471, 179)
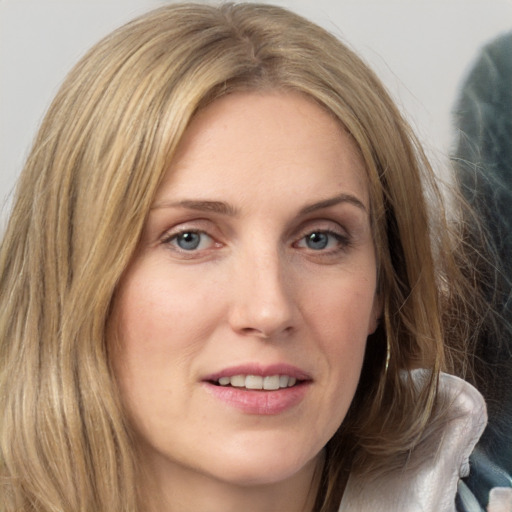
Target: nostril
point(255, 332)
point(266, 333)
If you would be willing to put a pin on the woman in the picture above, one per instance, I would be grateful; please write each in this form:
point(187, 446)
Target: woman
point(219, 282)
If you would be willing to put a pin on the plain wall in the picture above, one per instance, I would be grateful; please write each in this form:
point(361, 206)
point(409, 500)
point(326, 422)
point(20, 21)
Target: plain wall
point(420, 48)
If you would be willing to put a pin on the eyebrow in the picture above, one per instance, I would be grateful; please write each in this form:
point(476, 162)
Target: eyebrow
point(200, 205)
point(227, 209)
point(333, 201)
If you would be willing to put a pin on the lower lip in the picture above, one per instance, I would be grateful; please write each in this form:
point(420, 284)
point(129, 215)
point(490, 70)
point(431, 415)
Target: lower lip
point(264, 403)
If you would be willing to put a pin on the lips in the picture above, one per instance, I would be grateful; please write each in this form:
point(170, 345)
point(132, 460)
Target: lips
point(254, 389)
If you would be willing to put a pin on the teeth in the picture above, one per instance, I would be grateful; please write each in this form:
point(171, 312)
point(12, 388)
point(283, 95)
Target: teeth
point(238, 381)
point(270, 383)
point(253, 382)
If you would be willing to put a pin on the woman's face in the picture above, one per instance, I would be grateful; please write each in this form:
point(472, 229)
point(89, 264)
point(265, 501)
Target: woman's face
point(256, 269)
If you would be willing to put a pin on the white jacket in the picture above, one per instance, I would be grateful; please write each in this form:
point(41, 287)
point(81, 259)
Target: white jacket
point(428, 484)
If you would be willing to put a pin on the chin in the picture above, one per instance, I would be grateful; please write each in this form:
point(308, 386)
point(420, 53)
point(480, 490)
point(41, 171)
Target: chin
point(264, 468)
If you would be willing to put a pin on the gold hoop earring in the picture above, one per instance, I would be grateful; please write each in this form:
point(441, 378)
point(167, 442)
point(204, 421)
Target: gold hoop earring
point(388, 354)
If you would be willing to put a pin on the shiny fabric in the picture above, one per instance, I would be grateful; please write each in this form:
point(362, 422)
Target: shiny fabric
point(429, 480)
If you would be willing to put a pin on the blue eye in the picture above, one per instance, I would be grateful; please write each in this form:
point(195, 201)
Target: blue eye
point(317, 241)
point(321, 240)
point(190, 240)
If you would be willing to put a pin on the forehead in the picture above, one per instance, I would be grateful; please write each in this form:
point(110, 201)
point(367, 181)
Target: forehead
point(248, 142)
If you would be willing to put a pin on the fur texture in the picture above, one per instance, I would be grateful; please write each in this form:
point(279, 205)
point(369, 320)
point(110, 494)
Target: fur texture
point(483, 162)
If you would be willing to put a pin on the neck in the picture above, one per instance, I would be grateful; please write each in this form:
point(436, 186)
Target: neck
point(189, 491)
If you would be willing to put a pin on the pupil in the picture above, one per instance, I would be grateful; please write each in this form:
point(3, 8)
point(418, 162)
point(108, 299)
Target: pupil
point(317, 241)
point(188, 241)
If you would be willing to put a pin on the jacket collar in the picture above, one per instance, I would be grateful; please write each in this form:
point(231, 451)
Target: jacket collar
point(427, 484)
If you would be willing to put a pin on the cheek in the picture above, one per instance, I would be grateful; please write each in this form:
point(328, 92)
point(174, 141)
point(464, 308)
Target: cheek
point(341, 322)
point(343, 310)
point(156, 313)
point(156, 330)
point(158, 327)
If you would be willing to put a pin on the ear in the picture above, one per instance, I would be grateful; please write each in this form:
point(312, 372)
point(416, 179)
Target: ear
point(376, 314)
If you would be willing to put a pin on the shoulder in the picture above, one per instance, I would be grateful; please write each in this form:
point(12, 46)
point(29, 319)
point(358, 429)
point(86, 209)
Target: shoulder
point(429, 477)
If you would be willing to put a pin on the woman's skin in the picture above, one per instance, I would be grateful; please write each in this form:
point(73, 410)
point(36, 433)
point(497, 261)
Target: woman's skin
point(257, 259)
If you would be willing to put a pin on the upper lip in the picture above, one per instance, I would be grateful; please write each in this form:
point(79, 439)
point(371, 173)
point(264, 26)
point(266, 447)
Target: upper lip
point(260, 370)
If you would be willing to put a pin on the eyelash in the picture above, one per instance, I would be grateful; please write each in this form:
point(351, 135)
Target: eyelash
point(343, 242)
point(170, 238)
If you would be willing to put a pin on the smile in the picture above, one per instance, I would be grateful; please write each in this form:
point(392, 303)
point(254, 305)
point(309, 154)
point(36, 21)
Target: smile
point(260, 389)
point(269, 383)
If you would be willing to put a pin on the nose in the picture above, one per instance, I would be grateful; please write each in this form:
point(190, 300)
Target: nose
point(263, 302)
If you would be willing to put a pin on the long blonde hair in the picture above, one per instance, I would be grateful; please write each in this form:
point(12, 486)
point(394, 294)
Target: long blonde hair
point(80, 206)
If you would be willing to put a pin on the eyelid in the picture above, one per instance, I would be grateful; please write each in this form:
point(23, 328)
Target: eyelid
point(343, 240)
point(196, 225)
point(324, 225)
point(171, 235)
